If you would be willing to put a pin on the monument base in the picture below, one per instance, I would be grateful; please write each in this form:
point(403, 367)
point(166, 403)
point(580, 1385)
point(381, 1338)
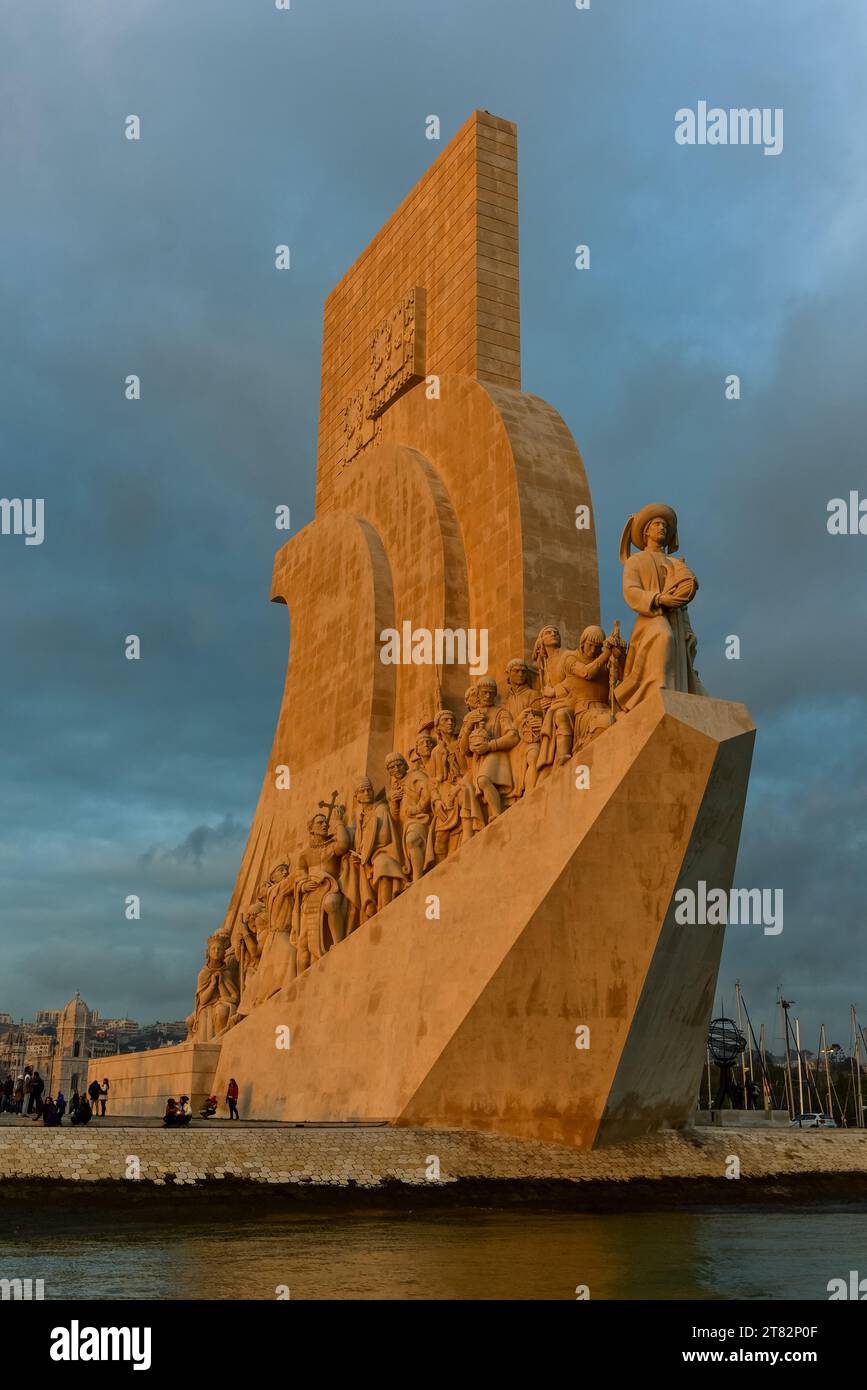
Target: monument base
point(141, 1082)
point(536, 983)
point(740, 1119)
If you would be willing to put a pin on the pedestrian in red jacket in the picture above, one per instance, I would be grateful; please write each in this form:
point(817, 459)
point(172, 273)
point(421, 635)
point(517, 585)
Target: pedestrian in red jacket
point(232, 1099)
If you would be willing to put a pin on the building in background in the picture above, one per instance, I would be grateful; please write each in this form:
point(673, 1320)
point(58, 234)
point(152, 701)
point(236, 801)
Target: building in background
point(118, 1027)
point(13, 1049)
point(60, 1043)
point(73, 1047)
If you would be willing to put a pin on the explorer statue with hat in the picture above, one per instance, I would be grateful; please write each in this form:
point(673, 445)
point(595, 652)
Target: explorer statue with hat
point(658, 589)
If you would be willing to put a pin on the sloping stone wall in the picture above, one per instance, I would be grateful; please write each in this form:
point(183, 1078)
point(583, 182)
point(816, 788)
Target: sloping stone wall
point(367, 1157)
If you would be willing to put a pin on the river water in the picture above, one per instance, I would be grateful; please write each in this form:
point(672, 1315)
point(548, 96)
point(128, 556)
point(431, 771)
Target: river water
point(706, 1253)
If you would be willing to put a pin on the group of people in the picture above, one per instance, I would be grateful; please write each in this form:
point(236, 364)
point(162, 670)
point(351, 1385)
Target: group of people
point(179, 1113)
point(25, 1095)
point(460, 776)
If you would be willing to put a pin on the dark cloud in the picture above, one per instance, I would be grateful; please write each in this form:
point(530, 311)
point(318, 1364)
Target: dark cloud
point(201, 841)
point(156, 258)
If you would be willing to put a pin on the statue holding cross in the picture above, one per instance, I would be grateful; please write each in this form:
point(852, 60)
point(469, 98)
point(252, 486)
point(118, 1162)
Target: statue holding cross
point(320, 909)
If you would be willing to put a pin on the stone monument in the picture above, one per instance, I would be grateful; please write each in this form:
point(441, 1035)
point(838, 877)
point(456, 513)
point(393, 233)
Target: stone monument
point(475, 927)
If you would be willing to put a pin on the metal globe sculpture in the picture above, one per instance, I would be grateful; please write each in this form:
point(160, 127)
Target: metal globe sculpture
point(725, 1041)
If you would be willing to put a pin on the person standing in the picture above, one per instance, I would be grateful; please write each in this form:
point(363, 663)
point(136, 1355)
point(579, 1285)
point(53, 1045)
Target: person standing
point(232, 1099)
point(93, 1091)
point(28, 1082)
point(103, 1096)
point(18, 1095)
point(37, 1086)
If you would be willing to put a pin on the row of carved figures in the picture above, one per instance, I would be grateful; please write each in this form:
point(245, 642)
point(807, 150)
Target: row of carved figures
point(454, 782)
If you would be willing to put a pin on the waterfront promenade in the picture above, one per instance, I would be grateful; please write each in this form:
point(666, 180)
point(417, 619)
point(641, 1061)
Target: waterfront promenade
point(380, 1157)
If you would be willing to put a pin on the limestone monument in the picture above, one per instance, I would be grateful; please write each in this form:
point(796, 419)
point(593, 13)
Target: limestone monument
point(477, 928)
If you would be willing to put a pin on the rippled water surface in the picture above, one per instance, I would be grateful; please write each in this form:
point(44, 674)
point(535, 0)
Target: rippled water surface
point(473, 1254)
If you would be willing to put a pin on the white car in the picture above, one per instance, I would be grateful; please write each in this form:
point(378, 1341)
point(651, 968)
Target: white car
point(812, 1120)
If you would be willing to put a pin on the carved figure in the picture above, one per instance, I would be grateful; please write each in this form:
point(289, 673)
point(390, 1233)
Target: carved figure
point(448, 767)
point(525, 755)
point(520, 695)
point(519, 687)
point(472, 812)
point(559, 718)
point(586, 683)
point(374, 873)
point(487, 736)
point(217, 990)
point(409, 800)
point(589, 680)
point(278, 959)
point(658, 589)
point(248, 938)
point(320, 908)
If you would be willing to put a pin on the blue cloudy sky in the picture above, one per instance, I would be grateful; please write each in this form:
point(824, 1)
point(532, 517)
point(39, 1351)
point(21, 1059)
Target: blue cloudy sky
point(156, 257)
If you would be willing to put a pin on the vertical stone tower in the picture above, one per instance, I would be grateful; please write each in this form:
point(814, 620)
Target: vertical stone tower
point(445, 495)
point(69, 1068)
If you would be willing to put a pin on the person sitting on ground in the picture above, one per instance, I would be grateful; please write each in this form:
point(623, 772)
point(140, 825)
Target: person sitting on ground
point(50, 1116)
point(176, 1115)
point(82, 1113)
point(209, 1108)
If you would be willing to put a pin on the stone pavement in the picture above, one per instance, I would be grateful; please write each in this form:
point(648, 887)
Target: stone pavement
point(365, 1156)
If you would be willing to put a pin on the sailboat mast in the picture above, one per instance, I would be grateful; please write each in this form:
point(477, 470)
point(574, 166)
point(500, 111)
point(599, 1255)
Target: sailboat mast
point(747, 1048)
point(765, 1086)
point(859, 1101)
point(824, 1046)
point(790, 1090)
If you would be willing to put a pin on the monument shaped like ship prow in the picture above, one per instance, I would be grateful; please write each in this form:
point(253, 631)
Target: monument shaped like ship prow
point(455, 907)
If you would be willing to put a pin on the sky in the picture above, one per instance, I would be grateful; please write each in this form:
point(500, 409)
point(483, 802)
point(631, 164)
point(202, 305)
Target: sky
point(306, 127)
